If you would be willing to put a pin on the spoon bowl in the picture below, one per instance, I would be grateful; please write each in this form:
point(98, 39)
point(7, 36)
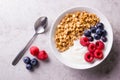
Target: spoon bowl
point(40, 25)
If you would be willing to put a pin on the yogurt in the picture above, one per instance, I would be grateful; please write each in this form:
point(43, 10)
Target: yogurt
point(75, 54)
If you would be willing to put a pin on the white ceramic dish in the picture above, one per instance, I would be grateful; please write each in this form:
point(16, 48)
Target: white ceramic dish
point(109, 43)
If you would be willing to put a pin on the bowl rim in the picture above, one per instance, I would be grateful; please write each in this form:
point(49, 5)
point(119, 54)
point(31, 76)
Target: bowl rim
point(63, 13)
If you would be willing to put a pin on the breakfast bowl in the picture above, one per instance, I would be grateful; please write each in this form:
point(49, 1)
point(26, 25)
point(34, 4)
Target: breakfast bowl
point(72, 52)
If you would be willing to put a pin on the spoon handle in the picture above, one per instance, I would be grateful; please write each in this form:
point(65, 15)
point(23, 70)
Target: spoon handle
point(22, 52)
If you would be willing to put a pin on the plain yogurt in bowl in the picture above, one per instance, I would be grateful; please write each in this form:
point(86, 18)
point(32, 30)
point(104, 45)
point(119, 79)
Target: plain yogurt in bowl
point(74, 56)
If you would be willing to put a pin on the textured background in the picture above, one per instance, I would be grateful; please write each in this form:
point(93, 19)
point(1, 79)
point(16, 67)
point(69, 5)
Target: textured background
point(17, 18)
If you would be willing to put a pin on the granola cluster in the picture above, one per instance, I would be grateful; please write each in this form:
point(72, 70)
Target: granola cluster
point(71, 28)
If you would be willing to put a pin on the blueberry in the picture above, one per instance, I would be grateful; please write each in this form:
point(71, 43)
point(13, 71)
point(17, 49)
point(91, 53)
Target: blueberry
point(100, 26)
point(99, 31)
point(104, 33)
point(90, 38)
point(29, 67)
point(93, 29)
point(97, 37)
point(34, 62)
point(104, 39)
point(26, 60)
point(87, 33)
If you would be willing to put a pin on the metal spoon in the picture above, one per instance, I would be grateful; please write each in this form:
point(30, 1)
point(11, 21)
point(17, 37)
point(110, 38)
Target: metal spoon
point(39, 27)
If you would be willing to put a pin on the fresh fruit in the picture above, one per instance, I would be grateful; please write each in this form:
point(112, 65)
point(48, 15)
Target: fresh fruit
point(93, 29)
point(97, 37)
point(42, 55)
point(29, 67)
point(92, 47)
point(34, 62)
point(90, 38)
point(84, 41)
point(95, 49)
point(30, 63)
point(98, 54)
point(89, 57)
point(100, 26)
point(99, 32)
point(100, 45)
point(26, 60)
point(87, 33)
point(104, 39)
point(34, 50)
point(104, 33)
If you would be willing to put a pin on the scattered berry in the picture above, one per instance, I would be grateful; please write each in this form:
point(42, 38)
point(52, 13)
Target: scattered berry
point(42, 55)
point(104, 39)
point(30, 63)
point(99, 32)
point(97, 37)
point(89, 57)
point(98, 54)
point(87, 33)
point(90, 38)
point(100, 26)
point(34, 62)
point(29, 67)
point(100, 45)
point(104, 33)
point(93, 29)
point(84, 41)
point(34, 50)
point(26, 60)
point(92, 47)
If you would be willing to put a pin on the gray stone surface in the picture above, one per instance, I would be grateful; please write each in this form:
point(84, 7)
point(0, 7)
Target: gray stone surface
point(17, 18)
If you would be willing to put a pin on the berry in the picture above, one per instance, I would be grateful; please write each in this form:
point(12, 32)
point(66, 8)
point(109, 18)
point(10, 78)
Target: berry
point(26, 60)
point(42, 55)
point(29, 67)
point(90, 38)
point(89, 57)
point(100, 45)
point(100, 26)
point(104, 33)
point(93, 29)
point(104, 39)
point(84, 41)
point(34, 62)
point(34, 50)
point(99, 31)
point(97, 37)
point(98, 54)
point(87, 33)
point(92, 47)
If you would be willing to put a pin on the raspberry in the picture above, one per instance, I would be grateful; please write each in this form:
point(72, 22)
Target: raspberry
point(100, 45)
point(84, 41)
point(92, 47)
point(89, 57)
point(34, 50)
point(98, 54)
point(42, 55)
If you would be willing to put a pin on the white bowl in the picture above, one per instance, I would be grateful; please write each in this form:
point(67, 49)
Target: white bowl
point(108, 46)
